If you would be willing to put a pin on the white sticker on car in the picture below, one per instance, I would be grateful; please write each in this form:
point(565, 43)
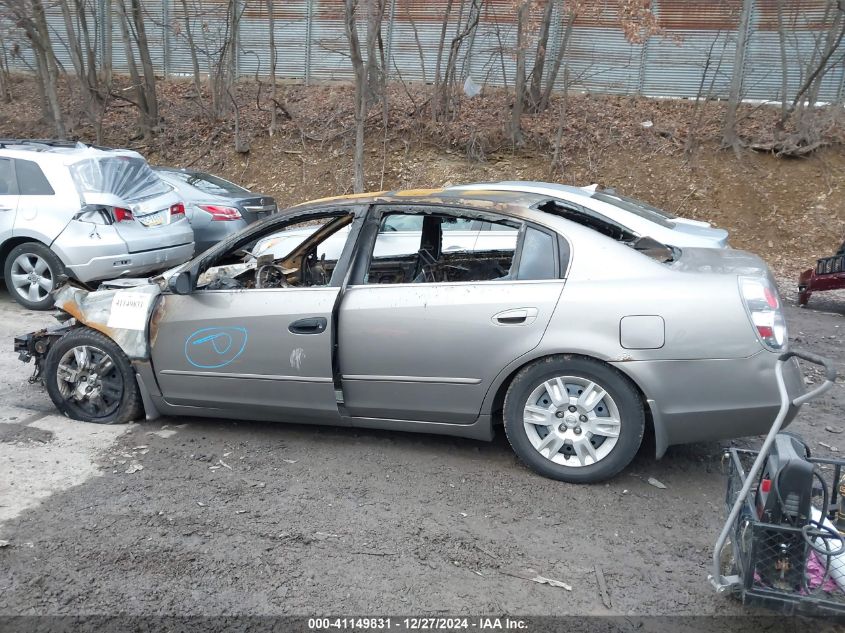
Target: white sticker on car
point(129, 310)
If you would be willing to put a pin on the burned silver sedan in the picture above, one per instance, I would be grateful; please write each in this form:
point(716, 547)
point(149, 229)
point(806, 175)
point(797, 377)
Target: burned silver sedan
point(438, 312)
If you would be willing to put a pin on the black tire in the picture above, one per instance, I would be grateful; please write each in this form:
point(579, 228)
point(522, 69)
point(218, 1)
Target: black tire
point(625, 396)
point(117, 409)
point(54, 270)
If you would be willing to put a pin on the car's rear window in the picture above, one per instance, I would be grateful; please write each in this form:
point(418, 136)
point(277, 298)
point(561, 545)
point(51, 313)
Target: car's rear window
point(128, 177)
point(211, 185)
point(637, 207)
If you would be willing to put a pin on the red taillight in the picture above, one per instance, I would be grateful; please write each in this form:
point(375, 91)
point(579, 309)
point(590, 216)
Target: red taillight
point(771, 298)
point(177, 209)
point(221, 213)
point(122, 215)
point(764, 310)
point(766, 331)
point(766, 485)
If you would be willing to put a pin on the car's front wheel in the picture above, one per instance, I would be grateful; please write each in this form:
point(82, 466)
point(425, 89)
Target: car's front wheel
point(31, 272)
point(574, 419)
point(89, 378)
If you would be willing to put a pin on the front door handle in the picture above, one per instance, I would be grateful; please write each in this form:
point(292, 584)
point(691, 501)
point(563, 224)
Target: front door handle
point(311, 325)
point(517, 316)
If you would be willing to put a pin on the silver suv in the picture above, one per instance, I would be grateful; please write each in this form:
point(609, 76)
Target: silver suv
point(88, 213)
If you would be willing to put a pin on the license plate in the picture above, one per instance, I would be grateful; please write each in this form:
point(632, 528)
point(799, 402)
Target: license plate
point(153, 219)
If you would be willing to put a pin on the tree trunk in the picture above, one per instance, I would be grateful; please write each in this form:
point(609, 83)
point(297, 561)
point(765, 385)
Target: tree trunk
point(452, 60)
point(51, 78)
point(375, 74)
point(134, 75)
point(522, 16)
point(271, 25)
point(784, 68)
point(559, 57)
point(729, 136)
point(146, 64)
point(350, 8)
point(534, 92)
point(195, 64)
point(435, 98)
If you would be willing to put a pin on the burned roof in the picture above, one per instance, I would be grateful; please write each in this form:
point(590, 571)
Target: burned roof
point(512, 202)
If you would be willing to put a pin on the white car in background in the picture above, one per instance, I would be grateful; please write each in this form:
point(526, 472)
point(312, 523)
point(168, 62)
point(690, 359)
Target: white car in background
point(636, 216)
point(86, 213)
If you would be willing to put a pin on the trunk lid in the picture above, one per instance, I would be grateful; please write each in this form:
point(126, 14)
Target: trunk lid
point(719, 237)
point(720, 261)
point(152, 226)
point(256, 208)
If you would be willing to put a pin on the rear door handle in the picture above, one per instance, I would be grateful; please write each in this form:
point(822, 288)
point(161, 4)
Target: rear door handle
point(310, 325)
point(516, 316)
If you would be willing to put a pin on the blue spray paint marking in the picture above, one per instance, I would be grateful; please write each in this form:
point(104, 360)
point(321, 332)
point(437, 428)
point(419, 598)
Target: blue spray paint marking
point(215, 347)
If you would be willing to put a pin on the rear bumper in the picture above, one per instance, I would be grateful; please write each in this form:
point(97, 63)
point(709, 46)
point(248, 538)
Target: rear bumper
point(707, 400)
point(131, 264)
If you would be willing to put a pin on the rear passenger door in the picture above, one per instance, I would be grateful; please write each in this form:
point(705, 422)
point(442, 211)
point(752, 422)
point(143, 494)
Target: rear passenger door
point(425, 329)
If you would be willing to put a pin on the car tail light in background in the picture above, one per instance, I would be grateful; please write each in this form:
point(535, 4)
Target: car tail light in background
point(764, 309)
point(177, 209)
point(122, 215)
point(220, 212)
point(103, 214)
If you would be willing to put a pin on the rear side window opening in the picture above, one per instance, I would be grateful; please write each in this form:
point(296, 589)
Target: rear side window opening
point(434, 248)
point(128, 177)
point(637, 207)
point(644, 244)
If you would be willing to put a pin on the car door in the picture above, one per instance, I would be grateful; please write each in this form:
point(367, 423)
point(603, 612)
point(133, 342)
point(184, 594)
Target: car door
point(8, 198)
point(258, 352)
point(418, 343)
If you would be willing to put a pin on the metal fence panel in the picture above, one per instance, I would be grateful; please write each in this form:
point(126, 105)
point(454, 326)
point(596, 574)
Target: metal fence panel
point(692, 56)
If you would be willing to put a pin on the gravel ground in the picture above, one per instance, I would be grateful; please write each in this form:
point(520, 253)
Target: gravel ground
point(196, 516)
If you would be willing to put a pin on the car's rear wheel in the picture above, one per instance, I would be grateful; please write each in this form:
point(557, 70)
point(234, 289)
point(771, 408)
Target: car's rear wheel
point(573, 419)
point(89, 378)
point(31, 272)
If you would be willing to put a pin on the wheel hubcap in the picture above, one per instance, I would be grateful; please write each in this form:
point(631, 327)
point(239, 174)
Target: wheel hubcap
point(572, 421)
point(88, 377)
point(32, 278)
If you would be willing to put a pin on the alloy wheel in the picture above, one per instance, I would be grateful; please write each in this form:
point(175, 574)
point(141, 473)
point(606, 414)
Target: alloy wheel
point(572, 421)
point(32, 278)
point(88, 377)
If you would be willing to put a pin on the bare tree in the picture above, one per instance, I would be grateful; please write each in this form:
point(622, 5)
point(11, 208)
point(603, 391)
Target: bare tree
point(30, 16)
point(5, 89)
point(442, 98)
point(375, 67)
point(83, 53)
point(523, 13)
point(350, 9)
point(729, 135)
point(271, 25)
point(132, 31)
point(192, 47)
